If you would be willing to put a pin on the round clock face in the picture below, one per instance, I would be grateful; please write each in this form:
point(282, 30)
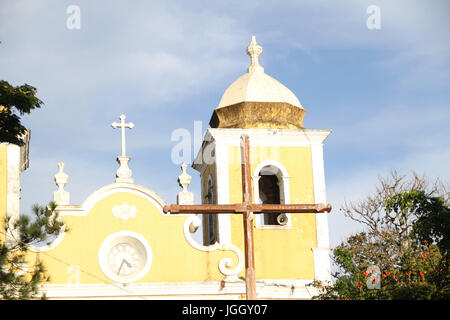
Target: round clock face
point(125, 259)
point(125, 256)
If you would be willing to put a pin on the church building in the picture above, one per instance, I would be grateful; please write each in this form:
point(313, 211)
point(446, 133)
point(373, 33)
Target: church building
point(123, 243)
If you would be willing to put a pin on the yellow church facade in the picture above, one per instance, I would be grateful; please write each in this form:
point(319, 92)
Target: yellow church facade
point(121, 245)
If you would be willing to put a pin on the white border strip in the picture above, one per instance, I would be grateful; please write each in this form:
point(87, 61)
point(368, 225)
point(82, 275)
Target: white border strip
point(322, 264)
point(267, 288)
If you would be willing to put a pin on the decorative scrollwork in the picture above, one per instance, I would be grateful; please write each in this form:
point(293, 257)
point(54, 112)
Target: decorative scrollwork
point(191, 225)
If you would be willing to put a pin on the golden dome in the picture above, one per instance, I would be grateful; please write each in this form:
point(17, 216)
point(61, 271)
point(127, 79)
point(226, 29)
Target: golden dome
point(256, 100)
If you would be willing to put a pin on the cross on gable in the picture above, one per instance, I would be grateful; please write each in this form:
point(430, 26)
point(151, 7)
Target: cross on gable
point(123, 174)
point(247, 209)
point(122, 125)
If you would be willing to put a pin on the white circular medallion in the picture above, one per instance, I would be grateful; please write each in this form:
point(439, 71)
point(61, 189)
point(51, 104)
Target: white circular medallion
point(125, 256)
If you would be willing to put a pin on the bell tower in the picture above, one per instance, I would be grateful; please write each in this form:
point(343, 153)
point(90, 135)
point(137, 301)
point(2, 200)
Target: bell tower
point(286, 166)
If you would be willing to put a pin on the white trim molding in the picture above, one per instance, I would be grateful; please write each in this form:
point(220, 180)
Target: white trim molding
point(59, 238)
point(259, 137)
point(322, 264)
point(91, 200)
point(268, 137)
point(227, 290)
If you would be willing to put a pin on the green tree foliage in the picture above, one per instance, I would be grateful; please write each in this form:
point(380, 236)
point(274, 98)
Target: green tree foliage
point(404, 251)
point(15, 102)
point(17, 279)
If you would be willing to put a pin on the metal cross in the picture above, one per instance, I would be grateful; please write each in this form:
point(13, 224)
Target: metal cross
point(122, 125)
point(247, 209)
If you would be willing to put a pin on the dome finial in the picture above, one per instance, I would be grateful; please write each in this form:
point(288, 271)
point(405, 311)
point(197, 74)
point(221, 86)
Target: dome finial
point(254, 50)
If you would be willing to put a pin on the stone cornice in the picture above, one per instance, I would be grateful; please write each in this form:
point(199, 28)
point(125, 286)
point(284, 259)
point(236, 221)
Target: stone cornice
point(258, 137)
point(281, 137)
point(266, 288)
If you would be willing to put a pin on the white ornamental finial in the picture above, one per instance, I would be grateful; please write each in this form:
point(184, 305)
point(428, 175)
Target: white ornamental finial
point(254, 50)
point(185, 196)
point(61, 196)
point(184, 179)
point(123, 174)
point(61, 177)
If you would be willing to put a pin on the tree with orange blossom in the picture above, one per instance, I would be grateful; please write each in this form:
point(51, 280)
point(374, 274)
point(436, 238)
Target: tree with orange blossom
point(406, 238)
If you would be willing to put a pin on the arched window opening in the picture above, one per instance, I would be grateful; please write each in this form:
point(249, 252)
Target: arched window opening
point(269, 192)
point(211, 218)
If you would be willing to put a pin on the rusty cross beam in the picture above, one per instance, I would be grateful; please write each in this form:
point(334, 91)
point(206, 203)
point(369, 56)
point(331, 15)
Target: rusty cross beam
point(247, 209)
point(253, 207)
point(247, 215)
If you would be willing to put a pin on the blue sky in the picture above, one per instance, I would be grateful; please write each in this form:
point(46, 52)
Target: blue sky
point(384, 93)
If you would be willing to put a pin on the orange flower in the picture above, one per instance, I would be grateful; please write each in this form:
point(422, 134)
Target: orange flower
point(395, 277)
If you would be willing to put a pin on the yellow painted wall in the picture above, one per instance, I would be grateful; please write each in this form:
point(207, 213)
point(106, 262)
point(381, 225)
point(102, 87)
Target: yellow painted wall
point(3, 180)
point(174, 259)
point(279, 254)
